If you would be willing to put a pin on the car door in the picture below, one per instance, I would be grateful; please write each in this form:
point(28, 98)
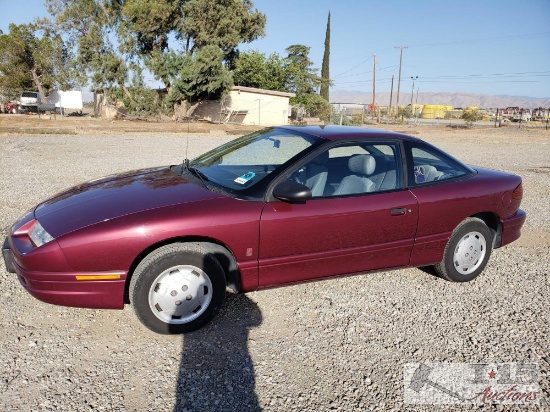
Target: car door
point(362, 220)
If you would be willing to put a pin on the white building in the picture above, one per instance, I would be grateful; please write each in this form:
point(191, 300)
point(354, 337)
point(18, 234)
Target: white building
point(247, 105)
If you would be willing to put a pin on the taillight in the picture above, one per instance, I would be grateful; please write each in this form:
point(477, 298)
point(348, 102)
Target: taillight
point(518, 192)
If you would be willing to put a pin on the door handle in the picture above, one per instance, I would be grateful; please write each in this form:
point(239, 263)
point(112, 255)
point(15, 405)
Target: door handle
point(398, 211)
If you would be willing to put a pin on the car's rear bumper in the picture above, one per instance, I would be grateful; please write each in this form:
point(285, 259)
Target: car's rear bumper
point(511, 227)
point(96, 290)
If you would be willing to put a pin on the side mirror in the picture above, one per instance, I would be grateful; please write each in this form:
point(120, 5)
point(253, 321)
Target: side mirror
point(292, 192)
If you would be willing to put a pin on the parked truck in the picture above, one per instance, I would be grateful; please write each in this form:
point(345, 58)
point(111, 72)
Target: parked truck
point(29, 101)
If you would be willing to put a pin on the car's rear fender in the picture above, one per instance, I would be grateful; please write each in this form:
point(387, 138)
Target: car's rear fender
point(221, 252)
point(493, 223)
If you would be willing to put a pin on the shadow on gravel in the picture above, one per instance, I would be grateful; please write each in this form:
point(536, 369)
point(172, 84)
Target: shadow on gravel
point(429, 270)
point(216, 372)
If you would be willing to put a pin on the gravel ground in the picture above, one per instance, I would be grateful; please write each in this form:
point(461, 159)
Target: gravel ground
point(332, 345)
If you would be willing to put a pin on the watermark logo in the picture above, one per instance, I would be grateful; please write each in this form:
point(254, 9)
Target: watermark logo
point(472, 383)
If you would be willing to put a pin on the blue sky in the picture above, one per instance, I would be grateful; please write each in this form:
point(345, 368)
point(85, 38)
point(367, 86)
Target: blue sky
point(494, 47)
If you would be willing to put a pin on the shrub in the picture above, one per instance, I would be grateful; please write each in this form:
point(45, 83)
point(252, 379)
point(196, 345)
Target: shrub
point(470, 116)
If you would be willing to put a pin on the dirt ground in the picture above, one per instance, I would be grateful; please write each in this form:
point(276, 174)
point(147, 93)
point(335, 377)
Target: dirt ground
point(50, 124)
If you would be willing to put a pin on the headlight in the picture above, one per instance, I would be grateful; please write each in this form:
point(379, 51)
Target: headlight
point(38, 235)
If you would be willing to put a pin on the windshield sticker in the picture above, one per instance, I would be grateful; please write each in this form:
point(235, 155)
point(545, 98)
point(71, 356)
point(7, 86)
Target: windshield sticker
point(245, 178)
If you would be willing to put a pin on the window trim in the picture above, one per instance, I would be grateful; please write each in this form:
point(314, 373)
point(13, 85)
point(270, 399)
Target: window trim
point(399, 159)
point(452, 161)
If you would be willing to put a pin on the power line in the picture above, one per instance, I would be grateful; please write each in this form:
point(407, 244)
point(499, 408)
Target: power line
point(370, 71)
point(493, 76)
point(481, 40)
point(387, 80)
point(363, 62)
point(353, 68)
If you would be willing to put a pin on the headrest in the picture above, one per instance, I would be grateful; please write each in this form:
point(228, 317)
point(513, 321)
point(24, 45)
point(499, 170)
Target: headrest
point(362, 164)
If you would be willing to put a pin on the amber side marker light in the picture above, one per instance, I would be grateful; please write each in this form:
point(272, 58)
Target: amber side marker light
point(518, 192)
point(97, 277)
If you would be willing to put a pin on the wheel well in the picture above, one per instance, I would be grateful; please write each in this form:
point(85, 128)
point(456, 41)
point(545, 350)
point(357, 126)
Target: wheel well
point(493, 223)
point(221, 252)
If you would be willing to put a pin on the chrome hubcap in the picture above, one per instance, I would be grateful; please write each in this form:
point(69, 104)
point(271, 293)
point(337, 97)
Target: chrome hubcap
point(180, 294)
point(469, 253)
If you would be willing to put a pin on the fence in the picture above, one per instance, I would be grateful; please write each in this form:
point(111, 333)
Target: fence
point(359, 114)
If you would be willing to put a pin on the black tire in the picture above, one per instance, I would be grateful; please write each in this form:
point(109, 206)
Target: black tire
point(470, 244)
point(184, 278)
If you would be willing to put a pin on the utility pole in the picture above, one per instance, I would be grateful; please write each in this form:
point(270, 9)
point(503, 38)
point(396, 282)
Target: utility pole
point(373, 85)
point(399, 80)
point(391, 94)
point(412, 94)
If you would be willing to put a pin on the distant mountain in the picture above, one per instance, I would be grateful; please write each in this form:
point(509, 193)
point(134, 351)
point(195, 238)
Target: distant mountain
point(445, 98)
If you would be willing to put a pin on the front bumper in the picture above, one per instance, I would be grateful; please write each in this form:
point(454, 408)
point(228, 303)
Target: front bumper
point(95, 290)
point(7, 254)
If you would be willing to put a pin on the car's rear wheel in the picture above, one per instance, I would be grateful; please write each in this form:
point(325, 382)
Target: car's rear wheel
point(467, 251)
point(177, 288)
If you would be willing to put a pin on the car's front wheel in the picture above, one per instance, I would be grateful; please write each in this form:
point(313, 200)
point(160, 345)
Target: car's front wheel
point(467, 251)
point(177, 288)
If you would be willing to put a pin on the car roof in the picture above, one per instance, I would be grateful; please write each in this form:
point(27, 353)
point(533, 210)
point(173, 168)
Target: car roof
point(345, 132)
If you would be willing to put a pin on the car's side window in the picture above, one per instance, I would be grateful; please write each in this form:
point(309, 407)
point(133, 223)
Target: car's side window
point(430, 166)
point(352, 169)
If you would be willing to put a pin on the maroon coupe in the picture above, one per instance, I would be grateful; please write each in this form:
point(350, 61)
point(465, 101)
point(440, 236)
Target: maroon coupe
point(275, 207)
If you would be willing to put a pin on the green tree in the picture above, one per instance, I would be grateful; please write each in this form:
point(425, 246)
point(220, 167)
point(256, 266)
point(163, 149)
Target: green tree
point(32, 58)
point(316, 106)
point(302, 76)
point(303, 80)
point(85, 24)
point(250, 69)
point(144, 27)
point(404, 111)
point(325, 76)
point(471, 116)
point(224, 24)
point(141, 100)
point(253, 69)
point(202, 76)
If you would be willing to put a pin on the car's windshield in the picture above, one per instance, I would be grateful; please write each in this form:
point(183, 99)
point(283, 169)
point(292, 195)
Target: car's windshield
point(246, 161)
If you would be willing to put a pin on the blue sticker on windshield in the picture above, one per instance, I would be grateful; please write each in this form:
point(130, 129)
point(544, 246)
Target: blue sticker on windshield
point(245, 178)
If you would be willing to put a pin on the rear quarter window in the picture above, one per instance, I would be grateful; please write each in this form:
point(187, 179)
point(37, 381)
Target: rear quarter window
point(427, 165)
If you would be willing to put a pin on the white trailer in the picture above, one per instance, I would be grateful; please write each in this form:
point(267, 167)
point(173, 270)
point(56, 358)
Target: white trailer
point(67, 100)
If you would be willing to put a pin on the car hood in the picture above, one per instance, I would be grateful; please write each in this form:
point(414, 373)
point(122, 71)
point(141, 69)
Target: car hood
point(117, 195)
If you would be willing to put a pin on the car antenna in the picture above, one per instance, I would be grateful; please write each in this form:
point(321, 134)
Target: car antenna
point(185, 164)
